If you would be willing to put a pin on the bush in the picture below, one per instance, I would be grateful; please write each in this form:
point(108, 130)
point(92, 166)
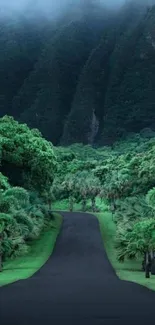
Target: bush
point(26, 150)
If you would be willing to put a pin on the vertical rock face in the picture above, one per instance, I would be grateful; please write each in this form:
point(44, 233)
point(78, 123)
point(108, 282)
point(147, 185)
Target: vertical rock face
point(90, 92)
point(93, 130)
point(46, 96)
point(130, 100)
point(99, 81)
point(17, 58)
point(88, 79)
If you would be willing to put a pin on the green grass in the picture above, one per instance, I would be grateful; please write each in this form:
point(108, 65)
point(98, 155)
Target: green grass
point(129, 270)
point(63, 205)
point(40, 250)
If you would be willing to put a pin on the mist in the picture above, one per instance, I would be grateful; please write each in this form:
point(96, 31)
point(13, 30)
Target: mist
point(52, 9)
point(28, 6)
point(46, 7)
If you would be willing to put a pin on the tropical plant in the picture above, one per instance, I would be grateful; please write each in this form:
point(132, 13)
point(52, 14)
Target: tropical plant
point(150, 198)
point(69, 187)
point(25, 149)
point(88, 187)
point(135, 241)
point(53, 194)
point(11, 241)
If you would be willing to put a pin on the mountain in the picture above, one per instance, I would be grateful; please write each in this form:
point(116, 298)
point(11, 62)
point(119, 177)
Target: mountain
point(87, 77)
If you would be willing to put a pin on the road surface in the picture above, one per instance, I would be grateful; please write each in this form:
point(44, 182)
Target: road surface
point(77, 285)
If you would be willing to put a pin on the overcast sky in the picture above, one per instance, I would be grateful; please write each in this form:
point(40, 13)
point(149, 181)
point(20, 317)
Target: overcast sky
point(54, 6)
point(45, 4)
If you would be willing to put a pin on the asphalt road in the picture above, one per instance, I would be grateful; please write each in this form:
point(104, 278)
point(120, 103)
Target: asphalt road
point(77, 285)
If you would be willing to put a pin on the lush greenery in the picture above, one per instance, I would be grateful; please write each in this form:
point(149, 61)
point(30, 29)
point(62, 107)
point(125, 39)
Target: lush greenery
point(130, 270)
point(30, 164)
point(40, 249)
point(122, 177)
point(35, 175)
point(79, 84)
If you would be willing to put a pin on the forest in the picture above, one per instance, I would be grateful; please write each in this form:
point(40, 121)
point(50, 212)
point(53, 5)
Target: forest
point(77, 128)
point(76, 73)
point(35, 176)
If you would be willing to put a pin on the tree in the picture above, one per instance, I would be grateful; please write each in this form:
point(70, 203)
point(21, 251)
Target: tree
point(11, 241)
point(150, 198)
point(131, 209)
point(69, 186)
point(23, 216)
point(137, 240)
point(53, 194)
point(26, 155)
point(4, 184)
point(88, 188)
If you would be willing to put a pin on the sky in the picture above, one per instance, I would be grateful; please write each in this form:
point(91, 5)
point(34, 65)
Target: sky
point(56, 5)
point(45, 6)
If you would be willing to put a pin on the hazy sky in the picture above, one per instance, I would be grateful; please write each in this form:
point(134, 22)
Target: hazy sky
point(54, 6)
point(45, 4)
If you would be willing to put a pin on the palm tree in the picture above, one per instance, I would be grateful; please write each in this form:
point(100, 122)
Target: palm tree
point(88, 187)
point(9, 233)
point(94, 189)
point(137, 240)
point(1, 253)
point(69, 186)
point(53, 194)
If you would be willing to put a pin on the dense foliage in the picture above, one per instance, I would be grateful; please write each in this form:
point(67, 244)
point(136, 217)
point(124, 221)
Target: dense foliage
point(34, 174)
point(25, 153)
point(30, 163)
point(79, 83)
point(123, 176)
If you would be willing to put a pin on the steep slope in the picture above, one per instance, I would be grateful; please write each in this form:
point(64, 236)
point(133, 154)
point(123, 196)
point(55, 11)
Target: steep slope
point(130, 98)
point(85, 120)
point(87, 77)
point(47, 94)
point(17, 57)
point(82, 123)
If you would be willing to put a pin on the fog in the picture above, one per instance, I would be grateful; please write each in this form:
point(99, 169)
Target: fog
point(18, 5)
point(54, 8)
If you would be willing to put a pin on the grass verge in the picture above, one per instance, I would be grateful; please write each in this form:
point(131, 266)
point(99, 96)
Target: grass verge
point(40, 250)
point(63, 205)
point(129, 270)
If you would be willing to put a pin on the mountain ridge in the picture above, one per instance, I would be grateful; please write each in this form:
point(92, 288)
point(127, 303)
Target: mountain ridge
point(88, 80)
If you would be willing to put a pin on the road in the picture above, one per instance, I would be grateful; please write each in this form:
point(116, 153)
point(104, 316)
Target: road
point(77, 285)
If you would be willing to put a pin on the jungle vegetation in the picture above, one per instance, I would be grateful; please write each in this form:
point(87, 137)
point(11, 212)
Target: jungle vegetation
point(35, 174)
point(121, 176)
point(27, 164)
point(80, 88)
point(79, 76)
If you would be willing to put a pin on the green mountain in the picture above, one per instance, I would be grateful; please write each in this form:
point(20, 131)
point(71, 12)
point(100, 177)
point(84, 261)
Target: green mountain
point(87, 77)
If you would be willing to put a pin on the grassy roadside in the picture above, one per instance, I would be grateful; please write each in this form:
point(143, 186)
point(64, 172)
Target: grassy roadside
point(129, 270)
point(63, 205)
point(25, 266)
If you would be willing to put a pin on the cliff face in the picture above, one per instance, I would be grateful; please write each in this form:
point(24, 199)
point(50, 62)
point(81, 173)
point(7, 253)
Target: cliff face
point(104, 87)
point(47, 94)
point(87, 80)
point(17, 58)
point(129, 103)
point(88, 102)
